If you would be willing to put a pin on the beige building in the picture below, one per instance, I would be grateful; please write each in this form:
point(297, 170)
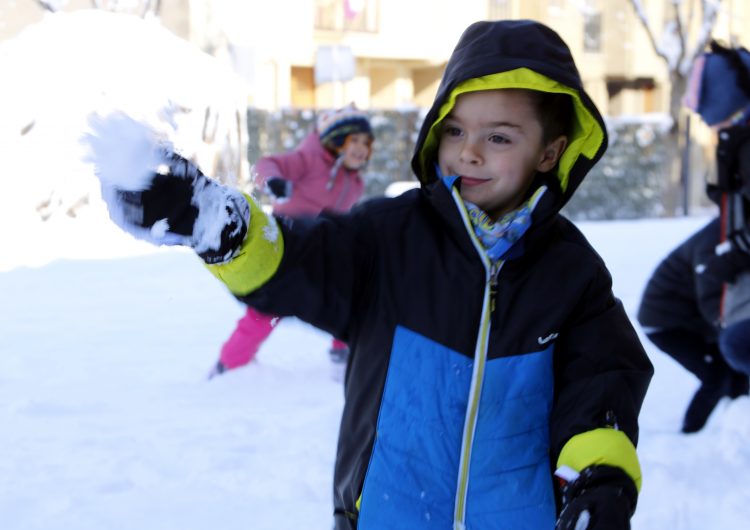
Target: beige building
point(390, 53)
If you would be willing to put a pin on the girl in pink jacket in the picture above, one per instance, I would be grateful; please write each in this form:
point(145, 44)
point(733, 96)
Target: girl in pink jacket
point(322, 173)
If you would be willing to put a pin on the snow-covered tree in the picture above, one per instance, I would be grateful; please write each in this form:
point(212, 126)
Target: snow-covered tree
point(687, 29)
point(135, 7)
point(52, 5)
point(141, 8)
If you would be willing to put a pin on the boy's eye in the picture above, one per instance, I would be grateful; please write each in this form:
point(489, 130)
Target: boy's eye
point(450, 130)
point(498, 139)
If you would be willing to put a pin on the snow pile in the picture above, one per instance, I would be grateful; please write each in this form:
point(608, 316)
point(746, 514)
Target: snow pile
point(60, 70)
point(126, 153)
point(128, 156)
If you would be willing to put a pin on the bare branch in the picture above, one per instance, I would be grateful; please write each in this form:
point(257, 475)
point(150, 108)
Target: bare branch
point(52, 5)
point(641, 14)
point(710, 14)
point(680, 36)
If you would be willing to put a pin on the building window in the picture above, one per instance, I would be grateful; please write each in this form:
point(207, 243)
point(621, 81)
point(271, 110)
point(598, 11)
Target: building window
point(592, 27)
point(303, 87)
point(498, 9)
point(347, 15)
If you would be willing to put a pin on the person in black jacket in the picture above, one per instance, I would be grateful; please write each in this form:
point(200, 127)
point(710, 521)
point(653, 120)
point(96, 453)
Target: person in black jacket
point(494, 380)
point(679, 313)
point(719, 92)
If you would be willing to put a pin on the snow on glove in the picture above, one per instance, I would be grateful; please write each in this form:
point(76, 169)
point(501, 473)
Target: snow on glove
point(601, 498)
point(157, 195)
point(278, 188)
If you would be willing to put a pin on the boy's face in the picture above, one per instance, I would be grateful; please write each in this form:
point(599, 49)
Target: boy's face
point(356, 150)
point(493, 140)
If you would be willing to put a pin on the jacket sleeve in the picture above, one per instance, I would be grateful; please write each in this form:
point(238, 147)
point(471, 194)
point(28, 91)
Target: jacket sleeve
point(259, 256)
point(289, 166)
point(707, 289)
point(602, 376)
point(318, 272)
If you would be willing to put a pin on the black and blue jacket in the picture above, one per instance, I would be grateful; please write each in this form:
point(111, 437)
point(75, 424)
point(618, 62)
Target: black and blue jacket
point(467, 385)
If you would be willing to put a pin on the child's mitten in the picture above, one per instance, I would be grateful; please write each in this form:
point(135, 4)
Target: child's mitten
point(182, 206)
point(601, 498)
point(278, 188)
point(157, 195)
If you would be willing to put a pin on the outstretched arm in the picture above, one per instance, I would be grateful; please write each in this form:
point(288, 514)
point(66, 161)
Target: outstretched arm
point(170, 201)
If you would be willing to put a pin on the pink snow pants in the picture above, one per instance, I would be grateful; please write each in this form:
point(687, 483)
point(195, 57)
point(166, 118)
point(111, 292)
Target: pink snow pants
point(251, 331)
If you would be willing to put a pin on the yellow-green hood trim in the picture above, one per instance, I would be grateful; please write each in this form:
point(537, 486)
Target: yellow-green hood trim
point(586, 136)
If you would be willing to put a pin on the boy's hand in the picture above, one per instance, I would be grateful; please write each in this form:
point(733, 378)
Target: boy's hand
point(155, 194)
point(181, 206)
point(278, 188)
point(601, 498)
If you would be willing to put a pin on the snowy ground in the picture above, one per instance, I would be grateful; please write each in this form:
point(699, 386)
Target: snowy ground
point(108, 421)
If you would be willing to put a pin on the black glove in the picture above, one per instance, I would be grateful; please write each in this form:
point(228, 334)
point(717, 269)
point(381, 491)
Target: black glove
point(725, 267)
point(278, 188)
point(183, 207)
point(601, 498)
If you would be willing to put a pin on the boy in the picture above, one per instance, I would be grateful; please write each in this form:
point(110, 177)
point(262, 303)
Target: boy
point(487, 349)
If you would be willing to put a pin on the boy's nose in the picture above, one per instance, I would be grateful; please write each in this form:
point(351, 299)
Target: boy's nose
point(469, 153)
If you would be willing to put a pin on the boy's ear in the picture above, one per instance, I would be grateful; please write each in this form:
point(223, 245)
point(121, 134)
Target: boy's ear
point(552, 153)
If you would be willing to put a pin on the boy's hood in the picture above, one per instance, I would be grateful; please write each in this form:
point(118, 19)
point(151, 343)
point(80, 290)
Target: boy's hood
point(517, 54)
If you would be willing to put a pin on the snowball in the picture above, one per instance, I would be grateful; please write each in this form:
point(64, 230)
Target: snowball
point(126, 153)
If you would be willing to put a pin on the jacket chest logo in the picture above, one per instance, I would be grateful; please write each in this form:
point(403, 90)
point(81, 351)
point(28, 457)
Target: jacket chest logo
point(544, 340)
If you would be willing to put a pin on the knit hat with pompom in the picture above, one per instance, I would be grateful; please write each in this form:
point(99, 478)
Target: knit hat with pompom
point(334, 126)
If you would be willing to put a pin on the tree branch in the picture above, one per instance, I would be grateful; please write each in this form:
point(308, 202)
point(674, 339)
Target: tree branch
point(51, 6)
point(710, 13)
point(680, 35)
point(641, 14)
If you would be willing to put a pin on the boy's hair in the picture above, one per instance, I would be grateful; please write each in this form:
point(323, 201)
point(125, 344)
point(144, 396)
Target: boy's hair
point(555, 112)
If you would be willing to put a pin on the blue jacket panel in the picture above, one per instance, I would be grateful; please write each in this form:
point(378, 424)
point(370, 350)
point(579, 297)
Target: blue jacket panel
point(414, 468)
point(510, 486)
point(411, 480)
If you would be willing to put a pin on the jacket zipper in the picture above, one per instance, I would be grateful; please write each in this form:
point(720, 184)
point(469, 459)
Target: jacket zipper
point(477, 378)
point(494, 272)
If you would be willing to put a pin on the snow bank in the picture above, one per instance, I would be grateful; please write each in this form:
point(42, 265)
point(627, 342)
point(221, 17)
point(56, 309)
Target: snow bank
point(56, 72)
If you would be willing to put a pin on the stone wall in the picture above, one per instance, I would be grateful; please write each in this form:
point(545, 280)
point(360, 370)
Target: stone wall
point(627, 183)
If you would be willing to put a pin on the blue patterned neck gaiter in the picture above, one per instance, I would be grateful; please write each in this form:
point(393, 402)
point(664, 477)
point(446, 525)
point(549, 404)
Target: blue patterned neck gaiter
point(498, 236)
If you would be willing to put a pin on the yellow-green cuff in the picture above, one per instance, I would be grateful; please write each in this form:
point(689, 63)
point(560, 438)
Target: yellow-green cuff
point(604, 446)
point(259, 256)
